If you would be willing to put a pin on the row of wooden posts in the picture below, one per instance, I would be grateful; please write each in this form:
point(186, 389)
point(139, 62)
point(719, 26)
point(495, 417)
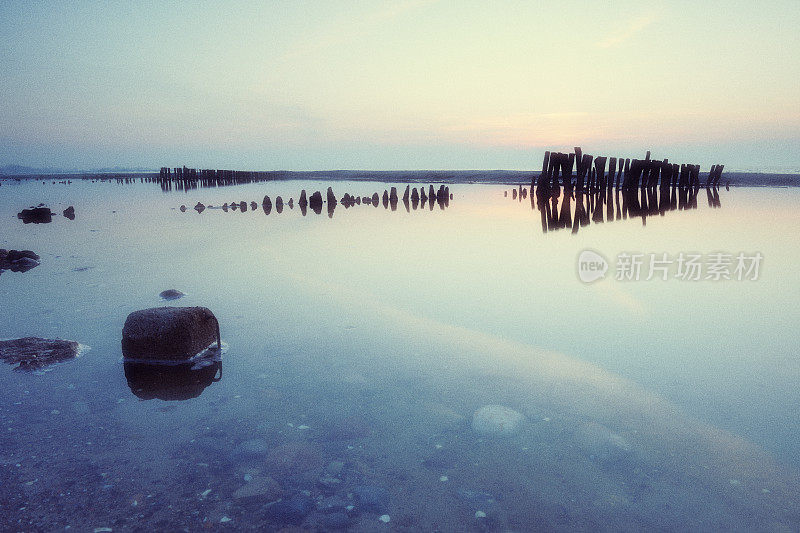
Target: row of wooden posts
point(209, 177)
point(591, 174)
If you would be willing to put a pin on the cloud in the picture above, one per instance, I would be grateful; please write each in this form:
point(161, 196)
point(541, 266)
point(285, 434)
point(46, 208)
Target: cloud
point(635, 26)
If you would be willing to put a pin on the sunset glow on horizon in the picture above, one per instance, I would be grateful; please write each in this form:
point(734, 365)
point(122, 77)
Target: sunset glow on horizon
point(417, 84)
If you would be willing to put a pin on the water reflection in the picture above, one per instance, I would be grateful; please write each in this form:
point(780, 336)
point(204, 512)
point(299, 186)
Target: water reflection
point(413, 199)
point(609, 204)
point(170, 382)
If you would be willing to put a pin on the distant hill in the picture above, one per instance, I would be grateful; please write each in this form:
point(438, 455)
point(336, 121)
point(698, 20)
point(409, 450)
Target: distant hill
point(20, 170)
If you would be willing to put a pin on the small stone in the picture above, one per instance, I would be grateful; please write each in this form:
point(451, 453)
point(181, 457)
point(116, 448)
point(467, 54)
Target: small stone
point(443, 478)
point(224, 519)
point(385, 518)
point(171, 294)
point(480, 514)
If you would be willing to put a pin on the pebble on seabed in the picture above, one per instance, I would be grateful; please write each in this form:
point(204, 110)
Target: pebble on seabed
point(385, 518)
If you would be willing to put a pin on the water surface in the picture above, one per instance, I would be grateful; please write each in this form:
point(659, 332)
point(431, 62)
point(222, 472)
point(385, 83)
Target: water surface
point(369, 338)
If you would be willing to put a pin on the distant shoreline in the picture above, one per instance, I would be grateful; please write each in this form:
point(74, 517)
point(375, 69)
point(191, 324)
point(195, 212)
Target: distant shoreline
point(489, 177)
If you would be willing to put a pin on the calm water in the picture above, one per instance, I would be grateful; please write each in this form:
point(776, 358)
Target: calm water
point(360, 345)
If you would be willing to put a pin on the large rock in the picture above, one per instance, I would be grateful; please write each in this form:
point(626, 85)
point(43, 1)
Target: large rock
point(169, 334)
point(497, 420)
point(33, 353)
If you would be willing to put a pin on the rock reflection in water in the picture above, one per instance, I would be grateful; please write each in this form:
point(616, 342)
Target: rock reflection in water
point(170, 382)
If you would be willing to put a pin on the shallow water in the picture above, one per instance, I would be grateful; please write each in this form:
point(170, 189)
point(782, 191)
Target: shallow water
point(369, 339)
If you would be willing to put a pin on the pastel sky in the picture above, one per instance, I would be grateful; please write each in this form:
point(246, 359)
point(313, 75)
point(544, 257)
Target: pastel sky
point(410, 84)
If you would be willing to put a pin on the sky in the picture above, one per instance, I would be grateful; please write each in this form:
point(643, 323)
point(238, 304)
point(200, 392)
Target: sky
point(408, 84)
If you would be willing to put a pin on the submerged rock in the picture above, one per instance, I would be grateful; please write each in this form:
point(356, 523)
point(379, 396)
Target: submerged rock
point(497, 420)
point(335, 521)
point(602, 444)
point(170, 334)
point(171, 294)
point(477, 499)
point(291, 510)
point(259, 488)
point(252, 448)
point(33, 353)
point(347, 428)
point(372, 499)
point(69, 213)
point(293, 458)
point(441, 459)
